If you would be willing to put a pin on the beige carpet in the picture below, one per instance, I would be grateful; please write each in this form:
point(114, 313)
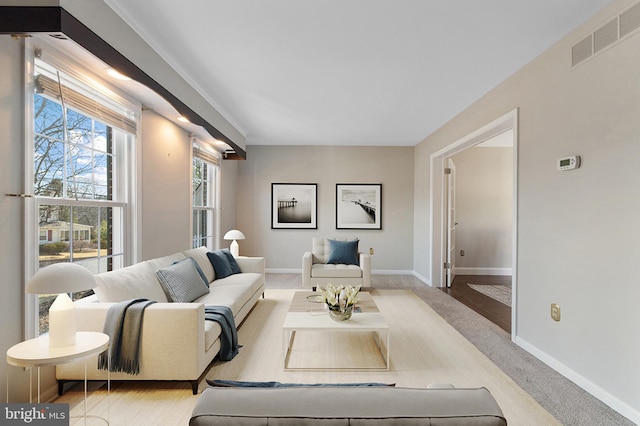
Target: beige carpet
point(424, 349)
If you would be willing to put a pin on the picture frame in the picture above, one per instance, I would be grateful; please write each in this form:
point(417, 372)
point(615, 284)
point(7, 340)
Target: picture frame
point(358, 206)
point(294, 206)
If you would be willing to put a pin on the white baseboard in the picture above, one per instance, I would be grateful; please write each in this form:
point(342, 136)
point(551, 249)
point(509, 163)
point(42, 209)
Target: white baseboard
point(282, 271)
point(595, 390)
point(425, 280)
point(391, 272)
point(482, 271)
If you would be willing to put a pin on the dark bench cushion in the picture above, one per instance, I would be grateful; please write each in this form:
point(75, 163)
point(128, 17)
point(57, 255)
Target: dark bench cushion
point(338, 406)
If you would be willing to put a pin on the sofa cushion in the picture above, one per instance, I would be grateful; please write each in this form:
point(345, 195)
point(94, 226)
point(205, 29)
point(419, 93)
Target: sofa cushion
point(232, 296)
point(321, 270)
point(133, 282)
point(182, 281)
point(200, 255)
point(366, 405)
point(251, 279)
point(224, 264)
point(345, 252)
point(163, 262)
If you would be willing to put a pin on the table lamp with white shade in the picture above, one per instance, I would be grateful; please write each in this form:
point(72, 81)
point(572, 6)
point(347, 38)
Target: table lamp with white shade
point(61, 278)
point(234, 235)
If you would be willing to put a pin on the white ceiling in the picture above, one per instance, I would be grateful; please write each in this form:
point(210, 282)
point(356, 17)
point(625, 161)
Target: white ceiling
point(348, 72)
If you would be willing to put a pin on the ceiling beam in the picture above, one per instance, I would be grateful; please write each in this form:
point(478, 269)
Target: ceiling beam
point(55, 19)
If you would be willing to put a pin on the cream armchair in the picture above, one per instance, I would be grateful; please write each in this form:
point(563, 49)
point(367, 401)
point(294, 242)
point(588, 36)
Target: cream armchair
point(321, 266)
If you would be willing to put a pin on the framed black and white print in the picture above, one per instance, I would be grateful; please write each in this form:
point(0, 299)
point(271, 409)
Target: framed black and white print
point(294, 206)
point(358, 206)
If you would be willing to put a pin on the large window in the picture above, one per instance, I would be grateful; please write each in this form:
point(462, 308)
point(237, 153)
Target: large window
point(82, 142)
point(204, 181)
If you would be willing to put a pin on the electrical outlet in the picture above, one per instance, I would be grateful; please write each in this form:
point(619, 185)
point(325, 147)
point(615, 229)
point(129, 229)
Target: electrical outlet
point(555, 312)
point(371, 251)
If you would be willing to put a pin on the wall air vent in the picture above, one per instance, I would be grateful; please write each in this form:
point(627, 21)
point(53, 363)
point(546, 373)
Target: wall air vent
point(582, 50)
point(630, 20)
point(607, 35)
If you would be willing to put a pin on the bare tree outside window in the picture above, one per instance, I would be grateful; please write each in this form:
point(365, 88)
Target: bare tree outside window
point(74, 160)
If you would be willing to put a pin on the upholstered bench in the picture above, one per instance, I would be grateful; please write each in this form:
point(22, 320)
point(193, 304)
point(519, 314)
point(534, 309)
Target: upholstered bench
point(355, 406)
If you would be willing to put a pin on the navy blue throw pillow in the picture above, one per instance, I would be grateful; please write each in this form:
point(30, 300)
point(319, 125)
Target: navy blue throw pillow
point(343, 252)
point(220, 263)
point(235, 268)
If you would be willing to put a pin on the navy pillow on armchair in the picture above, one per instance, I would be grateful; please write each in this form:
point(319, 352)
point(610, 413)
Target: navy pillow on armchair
point(343, 252)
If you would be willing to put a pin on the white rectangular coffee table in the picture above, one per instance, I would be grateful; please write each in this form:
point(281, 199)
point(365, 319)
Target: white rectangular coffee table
point(306, 316)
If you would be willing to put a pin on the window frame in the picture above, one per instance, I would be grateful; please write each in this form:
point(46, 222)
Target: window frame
point(211, 158)
point(128, 199)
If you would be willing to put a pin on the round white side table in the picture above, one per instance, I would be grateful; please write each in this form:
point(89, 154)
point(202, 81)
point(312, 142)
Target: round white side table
point(37, 353)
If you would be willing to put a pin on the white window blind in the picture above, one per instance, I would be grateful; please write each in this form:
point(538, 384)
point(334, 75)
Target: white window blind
point(206, 155)
point(76, 100)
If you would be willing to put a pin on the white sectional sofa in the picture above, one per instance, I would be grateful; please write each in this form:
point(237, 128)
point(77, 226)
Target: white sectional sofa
point(176, 342)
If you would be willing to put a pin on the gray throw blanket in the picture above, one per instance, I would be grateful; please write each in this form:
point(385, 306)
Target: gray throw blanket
point(123, 325)
point(229, 337)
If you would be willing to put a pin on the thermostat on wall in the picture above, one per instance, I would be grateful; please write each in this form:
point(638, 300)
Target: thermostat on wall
point(569, 163)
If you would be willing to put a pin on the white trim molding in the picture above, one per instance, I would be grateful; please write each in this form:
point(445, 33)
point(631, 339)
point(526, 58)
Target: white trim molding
point(595, 390)
point(483, 271)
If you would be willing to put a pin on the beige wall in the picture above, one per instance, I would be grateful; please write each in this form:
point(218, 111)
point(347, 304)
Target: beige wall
point(326, 166)
point(165, 187)
point(227, 200)
point(577, 231)
point(484, 199)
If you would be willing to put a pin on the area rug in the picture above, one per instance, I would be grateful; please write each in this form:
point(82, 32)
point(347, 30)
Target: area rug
point(501, 293)
point(424, 349)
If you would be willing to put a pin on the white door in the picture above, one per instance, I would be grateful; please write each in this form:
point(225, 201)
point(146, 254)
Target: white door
point(449, 267)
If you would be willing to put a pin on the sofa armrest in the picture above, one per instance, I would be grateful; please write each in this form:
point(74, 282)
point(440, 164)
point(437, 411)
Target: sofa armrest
point(365, 264)
point(307, 261)
point(164, 328)
point(251, 264)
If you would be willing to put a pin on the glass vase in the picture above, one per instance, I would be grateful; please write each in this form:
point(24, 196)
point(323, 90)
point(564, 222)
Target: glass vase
point(337, 313)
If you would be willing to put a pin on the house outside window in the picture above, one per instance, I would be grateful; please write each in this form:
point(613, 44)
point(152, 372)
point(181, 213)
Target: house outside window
point(82, 149)
point(204, 182)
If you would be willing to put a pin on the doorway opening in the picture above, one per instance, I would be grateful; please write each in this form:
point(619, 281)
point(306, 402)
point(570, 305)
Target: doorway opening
point(502, 250)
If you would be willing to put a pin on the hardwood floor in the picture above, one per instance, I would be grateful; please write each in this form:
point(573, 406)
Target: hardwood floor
point(494, 311)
